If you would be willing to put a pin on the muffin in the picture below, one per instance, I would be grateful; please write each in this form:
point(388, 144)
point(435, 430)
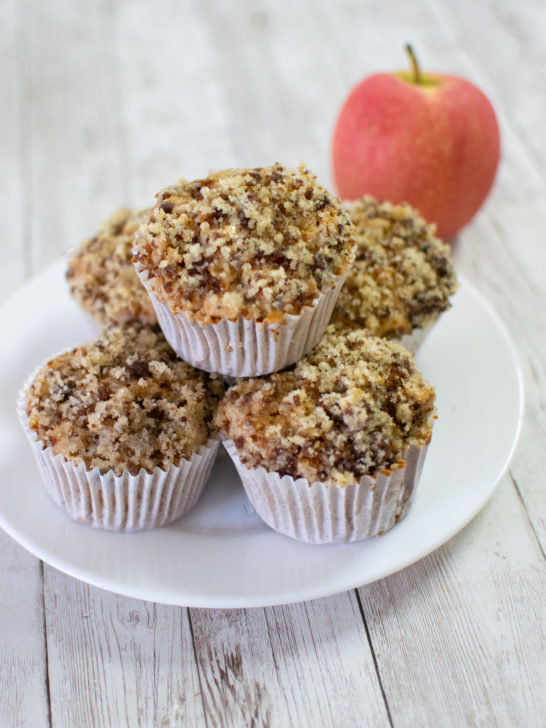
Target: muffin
point(332, 448)
point(402, 278)
point(122, 429)
point(244, 267)
point(102, 278)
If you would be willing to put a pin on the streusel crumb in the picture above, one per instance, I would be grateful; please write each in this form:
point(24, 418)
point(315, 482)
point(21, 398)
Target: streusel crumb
point(258, 243)
point(123, 402)
point(350, 408)
point(102, 278)
point(402, 277)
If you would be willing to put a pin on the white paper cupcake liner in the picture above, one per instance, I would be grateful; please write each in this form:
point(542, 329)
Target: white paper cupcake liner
point(120, 502)
point(245, 348)
point(320, 513)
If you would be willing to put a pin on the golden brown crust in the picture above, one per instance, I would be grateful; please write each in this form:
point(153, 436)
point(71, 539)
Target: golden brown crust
point(258, 243)
point(122, 402)
point(102, 278)
point(351, 407)
point(402, 277)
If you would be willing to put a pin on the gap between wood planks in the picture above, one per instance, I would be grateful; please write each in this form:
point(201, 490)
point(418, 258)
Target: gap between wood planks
point(526, 510)
point(202, 692)
point(245, 143)
point(46, 654)
point(189, 615)
point(372, 650)
point(520, 146)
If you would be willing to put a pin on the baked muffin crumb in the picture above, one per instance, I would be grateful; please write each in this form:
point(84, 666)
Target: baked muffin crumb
point(259, 243)
point(123, 402)
point(402, 277)
point(102, 278)
point(350, 408)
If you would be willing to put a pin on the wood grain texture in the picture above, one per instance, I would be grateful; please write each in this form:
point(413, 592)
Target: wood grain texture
point(507, 236)
point(269, 61)
point(118, 662)
point(76, 163)
point(105, 103)
point(304, 664)
point(23, 668)
point(173, 125)
point(237, 670)
point(504, 251)
point(462, 632)
point(14, 152)
point(507, 41)
point(324, 664)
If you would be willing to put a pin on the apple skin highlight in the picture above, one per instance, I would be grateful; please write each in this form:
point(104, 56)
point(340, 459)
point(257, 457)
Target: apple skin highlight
point(433, 144)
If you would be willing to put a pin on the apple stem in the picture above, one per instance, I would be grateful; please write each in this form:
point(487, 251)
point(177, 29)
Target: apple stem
point(414, 64)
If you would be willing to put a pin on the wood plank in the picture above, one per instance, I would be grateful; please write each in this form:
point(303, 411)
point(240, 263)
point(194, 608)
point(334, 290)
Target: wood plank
point(510, 240)
point(23, 687)
point(306, 664)
point(237, 671)
point(324, 664)
point(496, 256)
point(74, 126)
point(116, 661)
point(279, 107)
point(175, 117)
point(527, 473)
point(503, 251)
point(507, 42)
point(14, 183)
point(164, 130)
point(259, 94)
point(355, 48)
point(459, 637)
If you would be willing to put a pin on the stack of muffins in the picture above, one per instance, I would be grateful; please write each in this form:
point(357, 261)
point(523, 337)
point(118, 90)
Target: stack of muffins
point(233, 280)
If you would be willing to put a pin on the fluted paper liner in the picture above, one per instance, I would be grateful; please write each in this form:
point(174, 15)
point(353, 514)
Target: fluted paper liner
point(320, 513)
point(245, 348)
point(120, 502)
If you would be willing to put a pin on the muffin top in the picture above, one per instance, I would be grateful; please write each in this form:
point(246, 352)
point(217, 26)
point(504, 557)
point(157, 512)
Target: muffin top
point(258, 243)
point(402, 277)
point(350, 408)
point(102, 278)
point(122, 402)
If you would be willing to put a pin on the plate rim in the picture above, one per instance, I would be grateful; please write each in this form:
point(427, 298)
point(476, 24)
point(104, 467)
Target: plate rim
point(168, 597)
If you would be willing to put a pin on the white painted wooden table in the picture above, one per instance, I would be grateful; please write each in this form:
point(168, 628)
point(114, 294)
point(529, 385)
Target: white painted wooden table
point(103, 103)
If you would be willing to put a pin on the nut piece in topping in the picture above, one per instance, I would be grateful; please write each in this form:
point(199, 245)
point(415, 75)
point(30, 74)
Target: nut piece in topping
point(102, 278)
point(402, 277)
point(258, 243)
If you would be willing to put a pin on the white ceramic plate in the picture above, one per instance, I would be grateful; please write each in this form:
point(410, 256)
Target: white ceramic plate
point(221, 554)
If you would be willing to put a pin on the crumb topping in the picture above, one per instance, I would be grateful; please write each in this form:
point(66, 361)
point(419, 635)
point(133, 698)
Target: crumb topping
point(259, 243)
point(351, 407)
point(123, 402)
point(102, 278)
point(402, 277)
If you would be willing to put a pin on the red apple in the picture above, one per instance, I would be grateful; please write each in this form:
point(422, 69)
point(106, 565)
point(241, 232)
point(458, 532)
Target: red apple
point(428, 139)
